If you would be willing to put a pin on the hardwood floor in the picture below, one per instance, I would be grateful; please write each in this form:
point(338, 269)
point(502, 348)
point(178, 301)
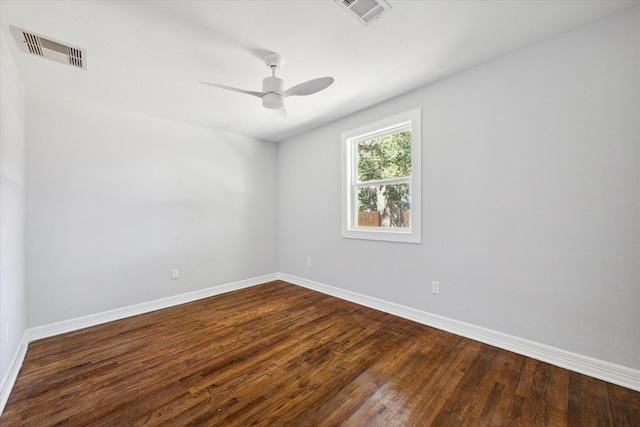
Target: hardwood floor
point(279, 354)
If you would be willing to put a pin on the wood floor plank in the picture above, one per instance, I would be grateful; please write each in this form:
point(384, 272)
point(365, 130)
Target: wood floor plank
point(279, 354)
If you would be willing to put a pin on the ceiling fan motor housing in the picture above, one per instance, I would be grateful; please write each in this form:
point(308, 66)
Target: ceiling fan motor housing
point(272, 86)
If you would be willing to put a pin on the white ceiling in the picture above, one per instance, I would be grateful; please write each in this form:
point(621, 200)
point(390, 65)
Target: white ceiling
point(147, 57)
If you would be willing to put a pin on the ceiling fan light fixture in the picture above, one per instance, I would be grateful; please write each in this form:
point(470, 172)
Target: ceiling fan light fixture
point(273, 101)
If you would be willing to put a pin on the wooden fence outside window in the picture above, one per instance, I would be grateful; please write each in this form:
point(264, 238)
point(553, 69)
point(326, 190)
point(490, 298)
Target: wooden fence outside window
point(372, 219)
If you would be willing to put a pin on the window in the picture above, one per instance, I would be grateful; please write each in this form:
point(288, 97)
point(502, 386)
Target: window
point(381, 180)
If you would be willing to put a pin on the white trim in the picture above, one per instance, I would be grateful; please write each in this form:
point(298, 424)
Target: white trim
point(70, 325)
point(380, 128)
point(616, 374)
point(408, 120)
point(12, 373)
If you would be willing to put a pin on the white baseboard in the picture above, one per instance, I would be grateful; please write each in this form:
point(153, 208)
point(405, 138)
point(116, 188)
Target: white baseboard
point(12, 373)
point(108, 316)
point(134, 310)
point(610, 372)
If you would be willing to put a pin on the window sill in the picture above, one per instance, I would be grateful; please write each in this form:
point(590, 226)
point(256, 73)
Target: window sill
point(388, 235)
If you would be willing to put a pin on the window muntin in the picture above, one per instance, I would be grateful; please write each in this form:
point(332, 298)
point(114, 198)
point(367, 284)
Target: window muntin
point(381, 180)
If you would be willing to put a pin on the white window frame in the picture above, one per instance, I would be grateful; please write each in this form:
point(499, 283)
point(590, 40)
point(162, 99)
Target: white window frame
point(398, 123)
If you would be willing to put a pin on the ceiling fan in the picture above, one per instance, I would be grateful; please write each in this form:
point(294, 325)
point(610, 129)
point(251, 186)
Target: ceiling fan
point(272, 93)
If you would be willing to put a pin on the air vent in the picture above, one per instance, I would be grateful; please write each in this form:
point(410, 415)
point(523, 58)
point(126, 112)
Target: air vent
point(35, 44)
point(365, 11)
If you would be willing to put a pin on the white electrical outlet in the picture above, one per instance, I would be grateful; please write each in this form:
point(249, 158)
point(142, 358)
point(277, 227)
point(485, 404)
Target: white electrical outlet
point(308, 262)
point(435, 288)
point(175, 273)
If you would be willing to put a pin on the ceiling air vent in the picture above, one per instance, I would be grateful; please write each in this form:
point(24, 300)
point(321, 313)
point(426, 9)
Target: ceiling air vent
point(45, 47)
point(365, 11)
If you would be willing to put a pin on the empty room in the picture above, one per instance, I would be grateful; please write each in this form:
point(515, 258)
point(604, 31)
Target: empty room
point(320, 213)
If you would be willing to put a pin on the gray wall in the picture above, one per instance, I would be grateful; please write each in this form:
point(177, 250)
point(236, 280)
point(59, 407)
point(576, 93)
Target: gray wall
point(12, 209)
point(115, 201)
point(530, 197)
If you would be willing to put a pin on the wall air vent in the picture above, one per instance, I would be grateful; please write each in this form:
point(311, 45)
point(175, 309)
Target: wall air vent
point(35, 44)
point(365, 11)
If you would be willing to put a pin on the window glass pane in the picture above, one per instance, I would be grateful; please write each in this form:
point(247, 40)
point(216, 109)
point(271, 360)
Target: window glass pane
point(385, 157)
point(384, 206)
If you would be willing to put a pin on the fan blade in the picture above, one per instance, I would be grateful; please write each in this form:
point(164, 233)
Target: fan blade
point(310, 87)
point(248, 92)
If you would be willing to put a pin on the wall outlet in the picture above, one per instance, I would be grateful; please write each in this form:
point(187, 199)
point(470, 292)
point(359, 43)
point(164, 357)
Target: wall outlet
point(435, 288)
point(8, 332)
point(175, 273)
point(308, 262)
